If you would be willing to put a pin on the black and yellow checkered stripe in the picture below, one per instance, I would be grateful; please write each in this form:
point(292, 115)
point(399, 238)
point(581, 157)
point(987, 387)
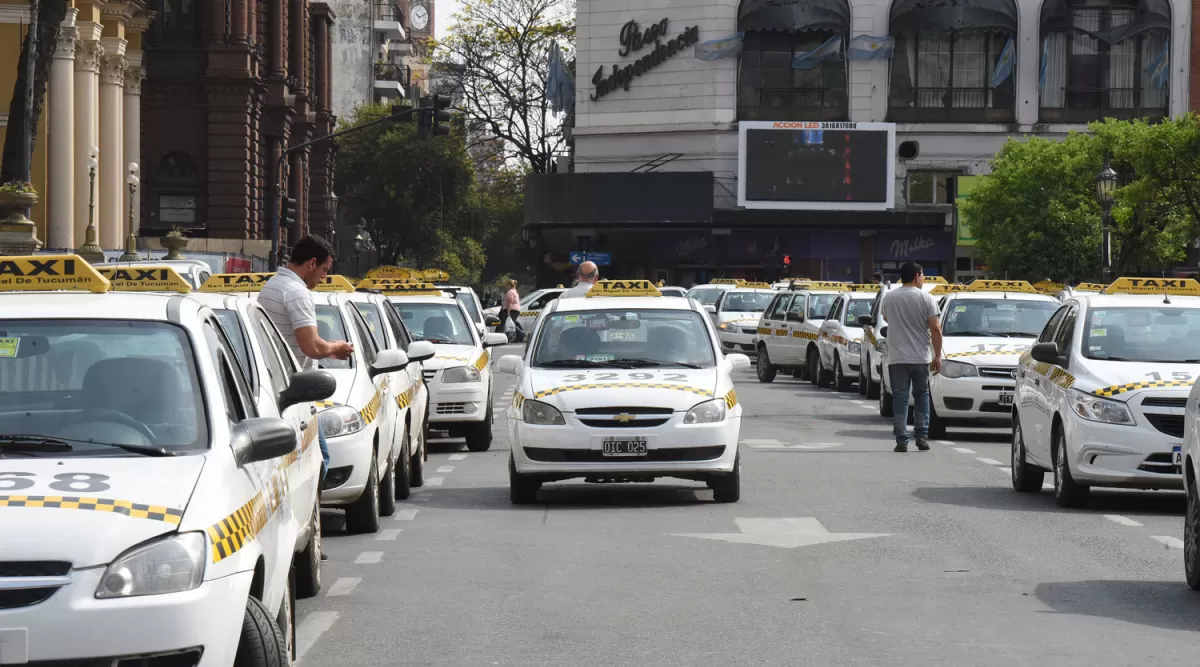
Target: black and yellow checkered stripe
point(482, 362)
point(622, 385)
point(324, 404)
point(1135, 386)
point(1051, 372)
point(730, 399)
point(371, 410)
point(306, 439)
point(779, 332)
point(114, 506)
point(764, 331)
point(233, 532)
point(530, 313)
point(806, 335)
point(518, 401)
point(450, 358)
point(838, 339)
point(985, 353)
point(406, 397)
point(741, 321)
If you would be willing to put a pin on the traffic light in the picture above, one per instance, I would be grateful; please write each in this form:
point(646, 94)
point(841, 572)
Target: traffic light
point(787, 260)
point(441, 115)
point(289, 212)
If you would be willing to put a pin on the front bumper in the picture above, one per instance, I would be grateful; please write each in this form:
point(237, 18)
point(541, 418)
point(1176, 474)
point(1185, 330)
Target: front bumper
point(576, 450)
point(349, 466)
point(972, 399)
point(737, 341)
point(1136, 457)
point(457, 402)
point(74, 627)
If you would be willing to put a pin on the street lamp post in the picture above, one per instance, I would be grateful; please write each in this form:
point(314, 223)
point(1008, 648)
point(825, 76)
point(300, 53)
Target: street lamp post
point(130, 254)
point(1106, 188)
point(91, 250)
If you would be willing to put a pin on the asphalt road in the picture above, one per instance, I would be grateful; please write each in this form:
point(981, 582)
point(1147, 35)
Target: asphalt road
point(937, 561)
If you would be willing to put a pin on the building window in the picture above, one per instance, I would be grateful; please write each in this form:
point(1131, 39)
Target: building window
point(1104, 59)
point(178, 25)
point(929, 187)
point(954, 61)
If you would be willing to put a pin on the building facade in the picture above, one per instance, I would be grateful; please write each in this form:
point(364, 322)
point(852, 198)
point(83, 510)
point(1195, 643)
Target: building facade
point(661, 165)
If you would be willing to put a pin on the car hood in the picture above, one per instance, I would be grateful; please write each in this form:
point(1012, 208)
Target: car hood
point(985, 350)
point(345, 387)
point(449, 356)
point(574, 389)
point(112, 505)
point(1122, 380)
point(746, 319)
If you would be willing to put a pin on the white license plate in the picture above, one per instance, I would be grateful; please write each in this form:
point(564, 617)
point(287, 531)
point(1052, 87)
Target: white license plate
point(1178, 454)
point(624, 447)
point(1006, 399)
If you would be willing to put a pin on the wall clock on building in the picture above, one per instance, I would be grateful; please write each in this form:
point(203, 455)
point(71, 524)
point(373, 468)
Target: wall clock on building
point(420, 16)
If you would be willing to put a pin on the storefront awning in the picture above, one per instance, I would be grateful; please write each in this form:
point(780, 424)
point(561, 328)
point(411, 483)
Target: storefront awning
point(928, 15)
point(794, 15)
point(1057, 16)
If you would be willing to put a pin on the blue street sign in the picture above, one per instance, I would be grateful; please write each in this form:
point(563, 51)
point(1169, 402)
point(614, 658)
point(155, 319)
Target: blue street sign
point(600, 258)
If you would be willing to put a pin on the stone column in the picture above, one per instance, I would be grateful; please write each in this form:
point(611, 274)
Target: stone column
point(88, 52)
point(112, 154)
point(60, 232)
point(134, 74)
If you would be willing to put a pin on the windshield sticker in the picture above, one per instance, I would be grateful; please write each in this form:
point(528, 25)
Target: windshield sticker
point(601, 358)
point(570, 318)
point(960, 309)
point(620, 335)
point(623, 385)
point(1099, 333)
point(8, 347)
point(1006, 306)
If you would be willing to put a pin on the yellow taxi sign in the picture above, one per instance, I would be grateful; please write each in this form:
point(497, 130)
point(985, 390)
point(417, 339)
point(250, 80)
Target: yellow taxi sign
point(1090, 287)
point(623, 288)
point(401, 287)
point(1048, 287)
point(560, 286)
point(1178, 286)
point(335, 284)
point(434, 276)
point(726, 281)
point(394, 273)
point(50, 273)
point(1001, 286)
point(145, 279)
point(753, 285)
point(936, 280)
point(947, 289)
point(235, 282)
point(826, 285)
point(863, 287)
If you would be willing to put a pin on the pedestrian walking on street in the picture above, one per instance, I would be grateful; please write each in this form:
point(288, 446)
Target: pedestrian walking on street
point(511, 309)
point(914, 348)
point(585, 277)
point(877, 279)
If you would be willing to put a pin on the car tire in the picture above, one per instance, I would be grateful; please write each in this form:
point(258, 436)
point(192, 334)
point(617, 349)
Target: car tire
point(416, 467)
point(403, 477)
point(387, 491)
point(812, 361)
point(261, 642)
point(1191, 537)
point(727, 488)
point(862, 378)
point(479, 437)
point(885, 402)
point(286, 618)
point(766, 372)
point(1067, 492)
point(840, 381)
point(873, 387)
point(363, 515)
point(308, 564)
point(1025, 478)
point(522, 489)
point(937, 425)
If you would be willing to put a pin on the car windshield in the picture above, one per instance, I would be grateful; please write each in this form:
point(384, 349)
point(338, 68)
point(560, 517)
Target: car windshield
point(232, 324)
point(819, 305)
point(370, 313)
point(89, 387)
point(331, 327)
point(436, 322)
point(746, 302)
point(707, 296)
point(997, 317)
point(624, 339)
point(855, 308)
point(1164, 334)
point(672, 291)
point(468, 301)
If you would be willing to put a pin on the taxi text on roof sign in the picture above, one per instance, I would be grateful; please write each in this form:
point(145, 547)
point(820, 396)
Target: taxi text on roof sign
point(335, 284)
point(394, 272)
point(937, 280)
point(1090, 287)
point(623, 288)
point(1179, 286)
point(402, 287)
point(1001, 286)
point(145, 279)
point(862, 287)
point(236, 282)
point(747, 285)
point(47, 273)
point(434, 276)
point(947, 289)
point(1048, 287)
point(824, 285)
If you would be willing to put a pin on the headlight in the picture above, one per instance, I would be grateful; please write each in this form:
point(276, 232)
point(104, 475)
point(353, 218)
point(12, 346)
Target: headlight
point(854, 348)
point(1097, 409)
point(460, 374)
point(709, 412)
point(537, 412)
point(723, 326)
point(171, 565)
point(340, 420)
point(958, 369)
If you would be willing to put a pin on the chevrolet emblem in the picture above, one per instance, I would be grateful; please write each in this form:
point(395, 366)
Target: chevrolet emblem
point(624, 418)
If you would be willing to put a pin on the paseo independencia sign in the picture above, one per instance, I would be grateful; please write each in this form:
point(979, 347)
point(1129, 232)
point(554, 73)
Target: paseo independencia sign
point(632, 39)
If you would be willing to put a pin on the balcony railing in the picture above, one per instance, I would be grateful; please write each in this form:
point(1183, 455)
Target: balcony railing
point(1087, 104)
point(827, 104)
point(390, 72)
point(388, 11)
point(953, 105)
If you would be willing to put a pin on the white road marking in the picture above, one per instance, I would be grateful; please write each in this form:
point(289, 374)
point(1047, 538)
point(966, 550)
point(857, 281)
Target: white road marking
point(946, 443)
point(445, 469)
point(964, 450)
point(1007, 471)
point(767, 442)
point(368, 557)
point(867, 407)
point(991, 462)
point(1048, 485)
point(309, 630)
point(1124, 521)
point(388, 534)
point(783, 446)
point(434, 481)
point(501, 405)
point(405, 515)
point(787, 533)
point(1168, 541)
point(860, 403)
point(420, 498)
point(458, 457)
point(343, 586)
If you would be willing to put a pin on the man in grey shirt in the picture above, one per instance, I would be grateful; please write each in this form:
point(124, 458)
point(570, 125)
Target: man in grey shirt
point(914, 348)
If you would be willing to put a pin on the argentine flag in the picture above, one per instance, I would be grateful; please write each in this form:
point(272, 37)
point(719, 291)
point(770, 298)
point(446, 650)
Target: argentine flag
point(1004, 64)
point(715, 49)
point(829, 51)
point(1158, 70)
point(870, 47)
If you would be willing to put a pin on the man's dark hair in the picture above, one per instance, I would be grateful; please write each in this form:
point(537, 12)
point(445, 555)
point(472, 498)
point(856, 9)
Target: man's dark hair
point(909, 271)
point(878, 276)
point(310, 247)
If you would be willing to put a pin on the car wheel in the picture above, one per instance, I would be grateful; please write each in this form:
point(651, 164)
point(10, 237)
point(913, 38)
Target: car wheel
point(479, 437)
point(363, 515)
point(840, 381)
point(873, 387)
point(1067, 492)
point(766, 372)
point(261, 642)
point(1025, 478)
point(387, 491)
point(885, 402)
point(1191, 537)
point(814, 367)
point(308, 565)
point(286, 619)
point(937, 425)
point(727, 488)
point(403, 475)
point(416, 466)
point(522, 489)
point(862, 377)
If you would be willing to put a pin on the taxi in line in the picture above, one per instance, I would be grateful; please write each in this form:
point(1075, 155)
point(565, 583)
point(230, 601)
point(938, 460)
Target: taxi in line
point(839, 340)
point(736, 314)
point(788, 329)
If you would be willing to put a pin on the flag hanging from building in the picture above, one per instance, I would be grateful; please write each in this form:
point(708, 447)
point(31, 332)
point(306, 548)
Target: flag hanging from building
point(1159, 70)
point(560, 85)
point(715, 49)
point(870, 47)
point(828, 52)
point(1004, 64)
point(1045, 60)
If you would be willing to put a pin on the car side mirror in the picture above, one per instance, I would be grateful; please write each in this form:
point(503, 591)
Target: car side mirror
point(421, 350)
point(262, 439)
point(491, 321)
point(494, 339)
point(511, 364)
point(865, 321)
point(306, 386)
point(883, 331)
point(737, 361)
point(711, 310)
point(1047, 353)
point(388, 361)
point(795, 317)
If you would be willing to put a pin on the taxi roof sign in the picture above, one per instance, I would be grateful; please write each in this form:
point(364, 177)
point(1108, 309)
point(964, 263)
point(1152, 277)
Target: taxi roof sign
point(394, 272)
point(1177, 286)
point(822, 285)
point(939, 290)
point(623, 288)
point(401, 287)
point(863, 287)
point(50, 273)
point(982, 285)
point(1090, 287)
point(434, 276)
point(335, 284)
point(937, 280)
point(753, 285)
point(1049, 287)
point(145, 279)
point(726, 281)
point(235, 282)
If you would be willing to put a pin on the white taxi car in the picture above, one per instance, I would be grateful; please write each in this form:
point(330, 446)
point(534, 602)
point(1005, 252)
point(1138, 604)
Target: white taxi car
point(839, 340)
point(194, 271)
point(145, 502)
point(708, 294)
point(737, 313)
point(787, 330)
point(1101, 395)
point(612, 409)
point(985, 329)
point(1187, 458)
point(874, 346)
point(459, 375)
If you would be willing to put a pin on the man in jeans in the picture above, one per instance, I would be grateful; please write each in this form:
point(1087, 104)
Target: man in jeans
point(914, 348)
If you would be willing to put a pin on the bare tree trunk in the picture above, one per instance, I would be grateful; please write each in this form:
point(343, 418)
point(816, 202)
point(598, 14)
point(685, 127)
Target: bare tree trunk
point(33, 71)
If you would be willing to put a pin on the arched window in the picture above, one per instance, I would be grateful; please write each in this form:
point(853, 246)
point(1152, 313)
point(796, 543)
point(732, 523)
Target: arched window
point(945, 63)
point(769, 87)
point(1104, 58)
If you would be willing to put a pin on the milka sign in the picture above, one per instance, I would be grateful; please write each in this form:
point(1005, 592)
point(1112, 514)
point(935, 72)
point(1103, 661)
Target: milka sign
point(904, 248)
